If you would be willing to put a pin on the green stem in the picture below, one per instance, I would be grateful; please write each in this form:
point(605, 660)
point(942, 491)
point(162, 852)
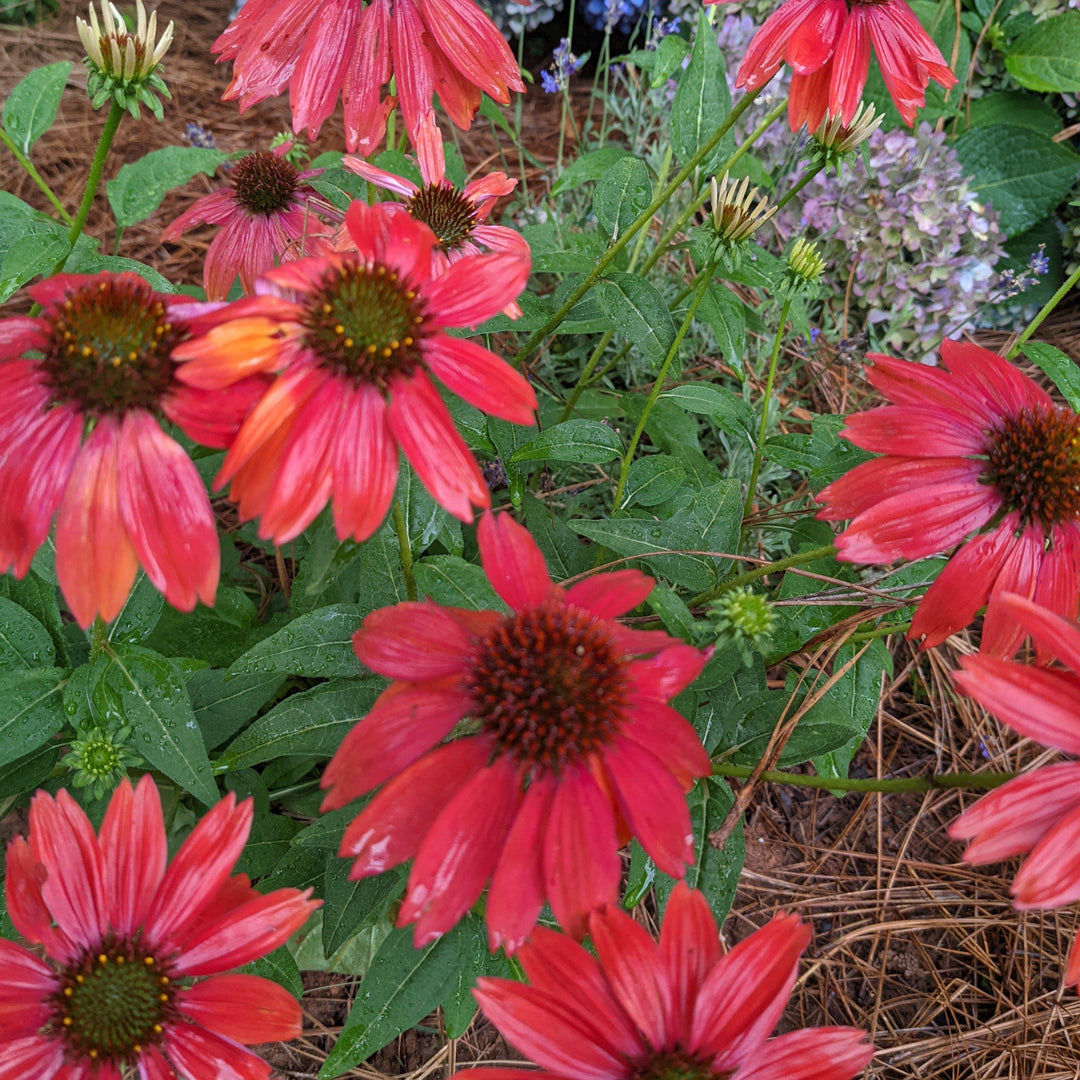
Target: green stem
point(802, 182)
point(760, 446)
point(884, 630)
point(34, 175)
point(702, 284)
point(402, 530)
point(749, 576)
point(93, 180)
point(632, 230)
point(99, 637)
point(937, 782)
point(1048, 307)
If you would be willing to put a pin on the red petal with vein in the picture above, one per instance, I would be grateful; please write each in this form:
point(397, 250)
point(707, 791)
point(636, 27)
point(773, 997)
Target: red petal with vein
point(412, 64)
point(234, 350)
point(550, 1030)
point(833, 1053)
point(202, 1055)
point(1057, 635)
point(915, 431)
point(392, 826)
point(813, 40)
point(406, 721)
point(1072, 966)
point(905, 382)
point(23, 975)
point(514, 565)
point(21, 1018)
point(244, 1008)
point(166, 513)
point(19, 334)
point(1057, 590)
point(689, 949)
point(213, 417)
point(1020, 572)
point(1050, 876)
point(671, 738)
point(608, 595)
point(745, 993)
point(365, 116)
point(1014, 818)
point(153, 1066)
point(460, 851)
point(25, 906)
point(426, 433)
point(246, 933)
point(668, 673)
point(134, 852)
point(581, 859)
point(765, 53)
point(808, 99)
point(850, 66)
point(516, 894)
point(631, 963)
point(31, 1056)
point(477, 287)
point(320, 68)
point(651, 801)
point(1044, 705)
point(481, 378)
point(199, 869)
point(364, 466)
point(413, 640)
point(993, 378)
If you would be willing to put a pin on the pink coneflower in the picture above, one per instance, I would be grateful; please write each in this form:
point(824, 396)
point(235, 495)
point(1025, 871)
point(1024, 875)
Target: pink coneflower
point(1038, 813)
point(80, 437)
point(977, 449)
point(264, 216)
point(124, 936)
point(320, 48)
point(828, 45)
point(352, 336)
point(682, 1010)
point(575, 748)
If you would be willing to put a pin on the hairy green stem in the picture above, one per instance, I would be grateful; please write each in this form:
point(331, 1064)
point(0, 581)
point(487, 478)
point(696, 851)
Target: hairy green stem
point(702, 284)
point(937, 782)
point(1045, 310)
point(402, 530)
point(34, 175)
point(632, 230)
point(759, 448)
point(749, 576)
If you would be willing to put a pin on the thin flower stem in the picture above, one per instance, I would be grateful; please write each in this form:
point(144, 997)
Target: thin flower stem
point(801, 183)
point(702, 284)
point(759, 448)
point(517, 117)
point(884, 630)
point(402, 530)
point(764, 570)
point(99, 637)
point(937, 782)
point(34, 175)
point(632, 230)
point(93, 180)
point(1048, 307)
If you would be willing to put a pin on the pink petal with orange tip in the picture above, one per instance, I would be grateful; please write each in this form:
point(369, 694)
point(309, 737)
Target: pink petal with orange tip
point(476, 287)
point(406, 721)
point(581, 858)
point(809, 98)
point(513, 563)
point(244, 1008)
point(481, 378)
point(428, 436)
point(413, 640)
point(1050, 875)
point(612, 594)
point(166, 512)
point(213, 417)
point(199, 1054)
point(832, 1053)
point(95, 559)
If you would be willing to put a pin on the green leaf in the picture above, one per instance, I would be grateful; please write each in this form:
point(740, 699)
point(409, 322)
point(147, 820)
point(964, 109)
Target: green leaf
point(267, 844)
point(280, 967)
point(1046, 56)
point(29, 771)
point(223, 702)
point(588, 168)
point(450, 580)
point(31, 106)
point(313, 722)
point(1059, 368)
point(140, 186)
point(139, 615)
point(39, 246)
point(24, 642)
point(1024, 173)
point(639, 312)
point(31, 710)
point(564, 552)
point(215, 635)
point(353, 958)
point(652, 480)
point(149, 694)
point(716, 402)
point(670, 54)
point(402, 986)
point(623, 192)
point(39, 598)
point(349, 906)
point(702, 101)
point(1016, 108)
point(460, 1006)
point(317, 645)
point(585, 441)
point(723, 311)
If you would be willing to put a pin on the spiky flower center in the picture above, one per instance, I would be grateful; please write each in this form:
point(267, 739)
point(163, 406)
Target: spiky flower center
point(446, 212)
point(112, 1002)
point(677, 1064)
point(96, 755)
point(549, 682)
point(110, 346)
point(366, 323)
point(1035, 464)
point(264, 183)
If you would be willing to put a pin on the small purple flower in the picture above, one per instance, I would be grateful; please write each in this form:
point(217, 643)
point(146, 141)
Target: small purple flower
point(1040, 261)
point(563, 64)
point(548, 83)
point(197, 135)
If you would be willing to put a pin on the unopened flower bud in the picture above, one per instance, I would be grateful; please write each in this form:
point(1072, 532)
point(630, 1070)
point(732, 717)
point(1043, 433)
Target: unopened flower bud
point(834, 140)
point(746, 619)
point(804, 265)
point(738, 211)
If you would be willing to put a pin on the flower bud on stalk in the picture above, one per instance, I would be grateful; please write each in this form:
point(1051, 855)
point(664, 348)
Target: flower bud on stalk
point(803, 267)
point(834, 141)
point(738, 211)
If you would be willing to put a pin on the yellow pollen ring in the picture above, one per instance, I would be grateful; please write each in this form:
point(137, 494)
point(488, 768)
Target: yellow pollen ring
point(407, 342)
point(102, 958)
point(348, 342)
point(149, 961)
point(68, 991)
point(326, 309)
point(388, 353)
point(80, 978)
point(116, 361)
point(339, 329)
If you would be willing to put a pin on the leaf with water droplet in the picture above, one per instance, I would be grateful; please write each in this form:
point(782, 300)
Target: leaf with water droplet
point(24, 642)
point(317, 645)
point(31, 710)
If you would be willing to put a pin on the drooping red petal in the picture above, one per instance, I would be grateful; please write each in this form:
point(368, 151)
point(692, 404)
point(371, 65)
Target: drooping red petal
point(25, 905)
point(671, 738)
point(850, 66)
point(477, 287)
point(514, 565)
point(766, 51)
point(320, 67)
point(612, 594)
point(1057, 635)
point(202, 1055)
point(1019, 573)
point(244, 1008)
point(23, 975)
point(813, 40)
point(413, 640)
point(1050, 876)
point(832, 1053)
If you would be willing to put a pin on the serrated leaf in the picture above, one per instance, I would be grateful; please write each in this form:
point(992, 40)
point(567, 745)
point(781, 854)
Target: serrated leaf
point(1046, 56)
point(313, 723)
point(639, 312)
point(1059, 368)
point(24, 642)
point(623, 192)
point(31, 106)
point(583, 441)
point(31, 710)
point(139, 186)
point(317, 645)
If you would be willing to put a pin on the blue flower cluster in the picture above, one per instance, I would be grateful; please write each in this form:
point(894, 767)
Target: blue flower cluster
point(563, 64)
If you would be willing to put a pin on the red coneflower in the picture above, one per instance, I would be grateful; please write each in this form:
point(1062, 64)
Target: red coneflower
point(1039, 812)
point(265, 218)
point(576, 748)
point(320, 48)
point(682, 1010)
point(828, 45)
point(135, 950)
point(979, 448)
point(79, 433)
point(352, 336)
